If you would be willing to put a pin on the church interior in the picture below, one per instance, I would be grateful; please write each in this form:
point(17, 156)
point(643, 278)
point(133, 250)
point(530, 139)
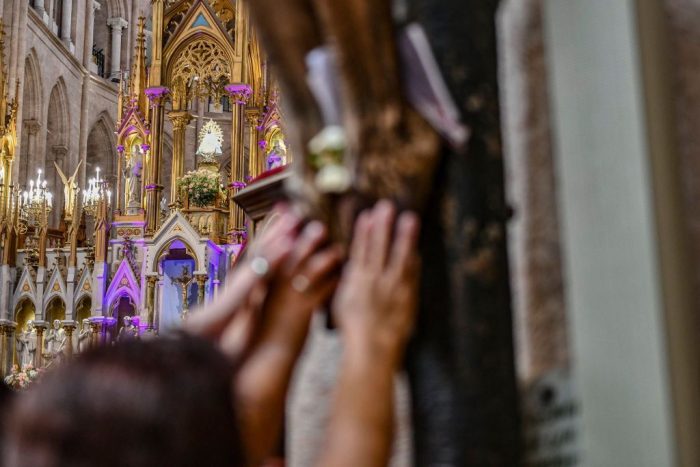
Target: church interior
point(143, 144)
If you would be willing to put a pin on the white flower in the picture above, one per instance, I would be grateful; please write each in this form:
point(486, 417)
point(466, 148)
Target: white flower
point(331, 138)
point(333, 178)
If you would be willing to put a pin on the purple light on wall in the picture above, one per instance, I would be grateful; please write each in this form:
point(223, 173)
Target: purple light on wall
point(156, 92)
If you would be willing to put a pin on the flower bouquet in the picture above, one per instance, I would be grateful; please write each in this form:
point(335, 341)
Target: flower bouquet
point(203, 187)
point(19, 380)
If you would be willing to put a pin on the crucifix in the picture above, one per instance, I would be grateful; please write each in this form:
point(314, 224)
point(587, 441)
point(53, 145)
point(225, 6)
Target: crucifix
point(183, 281)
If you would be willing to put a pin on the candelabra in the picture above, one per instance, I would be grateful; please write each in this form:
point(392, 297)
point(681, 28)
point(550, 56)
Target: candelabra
point(95, 194)
point(36, 204)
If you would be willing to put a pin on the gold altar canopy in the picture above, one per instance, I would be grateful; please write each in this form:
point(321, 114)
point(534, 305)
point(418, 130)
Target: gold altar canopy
point(202, 49)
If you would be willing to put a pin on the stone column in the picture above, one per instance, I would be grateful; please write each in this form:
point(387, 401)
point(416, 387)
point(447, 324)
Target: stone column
point(40, 7)
point(6, 366)
point(31, 126)
point(253, 120)
point(66, 24)
point(156, 95)
point(109, 326)
point(117, 24)
point(239, 94)
point(180, 119)
point(68, 327)
point(40, 327)
point(151, 300)
point(96, 330)
point(201, 283)
point(89, 34)
point(9, 348)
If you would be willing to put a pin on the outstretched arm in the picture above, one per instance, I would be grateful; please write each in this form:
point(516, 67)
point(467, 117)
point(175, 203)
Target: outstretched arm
point(375, 308)
point(302, 285)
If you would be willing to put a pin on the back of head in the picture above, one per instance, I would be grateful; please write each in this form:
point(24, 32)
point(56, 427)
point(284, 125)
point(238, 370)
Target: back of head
point(160, 402)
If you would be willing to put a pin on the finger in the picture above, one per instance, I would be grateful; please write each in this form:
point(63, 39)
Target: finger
point(309, 240)
point(358, 249)
point(404, 250)
point(384, 216)
point(238, 335)
point(321, 264)
point(322, 292)
point(284, 225)
point(241, 283)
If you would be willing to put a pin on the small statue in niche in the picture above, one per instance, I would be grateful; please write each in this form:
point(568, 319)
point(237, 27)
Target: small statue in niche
point(84, 336)
point(128, 330)
point(22, 339)
point(55, 341)
point(26, 345)
point(132, 177)
point(277, 156)
point(211, 138)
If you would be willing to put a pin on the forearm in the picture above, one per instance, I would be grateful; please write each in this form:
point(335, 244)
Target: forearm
point(362, 422)
point(262, 384)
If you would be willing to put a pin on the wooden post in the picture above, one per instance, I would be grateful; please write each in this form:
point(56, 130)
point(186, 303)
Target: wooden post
point(461, 363)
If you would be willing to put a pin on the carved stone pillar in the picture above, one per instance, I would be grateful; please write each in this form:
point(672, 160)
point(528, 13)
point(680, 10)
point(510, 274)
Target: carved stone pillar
point(31, 127)
point(40, 7)
point(109, 327)
point(156, 95)
point(9, 347)
point(179, 119)
point(96, 331)
point(151, 300)
point(117, 25)
point(69, 327)
point(66, 24)
point(252, 117)
point(40, 327)
point(240, 95)
point(3, 347)
point(90, 35)
point(201, 283)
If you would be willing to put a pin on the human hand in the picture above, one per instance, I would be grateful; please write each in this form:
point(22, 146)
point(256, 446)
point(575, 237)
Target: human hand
point(375, 304)
point(246, 283)
point(301, 284)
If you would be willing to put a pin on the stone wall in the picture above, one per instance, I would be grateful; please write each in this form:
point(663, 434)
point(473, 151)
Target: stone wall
point(536, 262)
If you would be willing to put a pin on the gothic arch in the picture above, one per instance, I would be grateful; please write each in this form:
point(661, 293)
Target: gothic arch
point(117, 9)
point(101, 149)
point(57, 145)
point(31, 111)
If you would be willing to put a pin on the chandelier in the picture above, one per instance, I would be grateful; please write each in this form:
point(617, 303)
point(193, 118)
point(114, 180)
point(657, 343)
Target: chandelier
point(96, 193)
point(36, 202)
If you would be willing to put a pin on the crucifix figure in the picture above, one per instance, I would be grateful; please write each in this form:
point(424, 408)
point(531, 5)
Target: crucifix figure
point(183, 281)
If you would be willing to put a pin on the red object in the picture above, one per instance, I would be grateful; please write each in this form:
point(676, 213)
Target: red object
point(268, 173)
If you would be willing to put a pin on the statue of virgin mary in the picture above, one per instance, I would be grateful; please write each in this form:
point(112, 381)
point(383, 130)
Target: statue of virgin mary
point(210, 140)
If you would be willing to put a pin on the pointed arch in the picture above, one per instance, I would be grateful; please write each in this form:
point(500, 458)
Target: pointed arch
point(117, 9)
point(102, 149)
point(57, 145)
point(31, 111)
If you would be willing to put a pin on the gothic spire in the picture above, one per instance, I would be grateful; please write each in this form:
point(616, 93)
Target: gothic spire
point(138, 71)
point(3, 76)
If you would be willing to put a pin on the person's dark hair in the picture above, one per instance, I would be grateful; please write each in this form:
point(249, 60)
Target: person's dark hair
point(142, 403)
